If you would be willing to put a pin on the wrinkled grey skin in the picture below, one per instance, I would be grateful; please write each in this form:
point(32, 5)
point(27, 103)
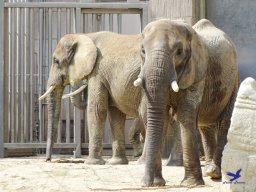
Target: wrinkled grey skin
point(203, 58)
point(136, 133)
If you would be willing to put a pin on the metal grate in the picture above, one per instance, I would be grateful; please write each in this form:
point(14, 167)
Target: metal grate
point(31, 32)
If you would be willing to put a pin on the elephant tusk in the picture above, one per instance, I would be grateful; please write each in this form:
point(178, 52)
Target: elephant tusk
point(47, 93)
point(75, 92)
point(175, 86)
point(137, 82)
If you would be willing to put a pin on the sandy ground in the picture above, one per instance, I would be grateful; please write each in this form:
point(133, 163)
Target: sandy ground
point(31, 174)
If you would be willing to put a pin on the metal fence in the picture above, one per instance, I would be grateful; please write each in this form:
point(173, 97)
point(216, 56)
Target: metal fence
point(29, 34)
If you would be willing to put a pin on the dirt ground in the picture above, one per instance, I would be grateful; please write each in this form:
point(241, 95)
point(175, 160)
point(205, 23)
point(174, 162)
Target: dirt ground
point(33, 174)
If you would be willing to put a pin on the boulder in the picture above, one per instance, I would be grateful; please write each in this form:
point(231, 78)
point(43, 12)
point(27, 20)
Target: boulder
point(239, 155)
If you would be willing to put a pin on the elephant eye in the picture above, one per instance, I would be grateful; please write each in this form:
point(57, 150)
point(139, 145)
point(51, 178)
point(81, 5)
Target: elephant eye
point(56, 61)
point(142, 51)
point(179, 52)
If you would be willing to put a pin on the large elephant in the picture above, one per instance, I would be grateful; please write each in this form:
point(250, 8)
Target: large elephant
point(203, 61)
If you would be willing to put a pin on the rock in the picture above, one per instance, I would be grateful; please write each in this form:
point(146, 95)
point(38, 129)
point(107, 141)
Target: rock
point(239, 155)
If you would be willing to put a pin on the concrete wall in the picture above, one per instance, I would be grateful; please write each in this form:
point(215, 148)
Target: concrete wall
point(237, 19)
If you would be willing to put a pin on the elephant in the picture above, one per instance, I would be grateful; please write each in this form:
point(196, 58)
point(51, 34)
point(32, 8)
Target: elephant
point(143, 76)
point(203, 60)
point(90, 58)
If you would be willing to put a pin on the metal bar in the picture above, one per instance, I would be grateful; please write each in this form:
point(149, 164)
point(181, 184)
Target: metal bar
point(17, 103)
point(31, 65)
point(12, 76)
point(2, 80)
point(114, 11)
point(49, 39)
point(66, 102)
point(56, 145)
point(119, 23)
point(111, 26)
point(77, 116)
point(77, 5)
point(22, 76)
point(6, 42)
point(144, 17)
point(40, 74)
point(77, 133)
point(58, 38)
point(26, 73)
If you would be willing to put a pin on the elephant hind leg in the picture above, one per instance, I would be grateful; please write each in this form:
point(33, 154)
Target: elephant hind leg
point(209, 145)
point(117, 124)
point(222, 130)
point(137, 131)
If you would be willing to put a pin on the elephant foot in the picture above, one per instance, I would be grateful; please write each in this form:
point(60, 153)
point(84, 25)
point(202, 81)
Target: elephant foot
point(137, 150)
point(117, 161)
point(206, 166)
point(158, 181)
point(213, 171)
point(141, 160)
point(192, 182)
point(95, 161)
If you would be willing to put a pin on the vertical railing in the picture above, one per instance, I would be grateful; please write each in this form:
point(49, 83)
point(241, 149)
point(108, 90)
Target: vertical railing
point(77, 116)
point(2, 80)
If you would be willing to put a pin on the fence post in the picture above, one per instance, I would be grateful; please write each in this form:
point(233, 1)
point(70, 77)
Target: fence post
point(1, 79)
point(77, 116)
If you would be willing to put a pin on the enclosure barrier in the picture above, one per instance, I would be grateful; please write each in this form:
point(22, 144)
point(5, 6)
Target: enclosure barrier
point(29, 33)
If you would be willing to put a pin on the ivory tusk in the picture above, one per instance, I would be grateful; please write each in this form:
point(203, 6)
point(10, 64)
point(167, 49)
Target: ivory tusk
point(47, 93)
point(75, 92)
point(137, 82)
point(175, 86)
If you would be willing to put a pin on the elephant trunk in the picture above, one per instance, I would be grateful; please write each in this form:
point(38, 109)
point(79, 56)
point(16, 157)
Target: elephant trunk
point(157, 87)
point(54, 109)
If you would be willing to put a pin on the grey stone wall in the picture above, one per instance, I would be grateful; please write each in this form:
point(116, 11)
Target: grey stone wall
point(237, 18)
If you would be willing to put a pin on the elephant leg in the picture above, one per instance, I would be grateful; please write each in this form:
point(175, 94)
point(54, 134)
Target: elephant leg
point(142, 159)
point(214, 171)
point(209, 145)
point(158, 179)
point(96, 117)
point(191, 162)
point(176, 157)
point(135, 132)
point(117, 124)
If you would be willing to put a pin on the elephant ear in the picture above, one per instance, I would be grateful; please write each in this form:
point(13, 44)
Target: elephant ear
point(81, 55)
point(195, 62)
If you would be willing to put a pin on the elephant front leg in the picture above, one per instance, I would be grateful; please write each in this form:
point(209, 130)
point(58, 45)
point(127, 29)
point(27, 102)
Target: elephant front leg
point(96, 117)
point(193, 173)
point(117, 124)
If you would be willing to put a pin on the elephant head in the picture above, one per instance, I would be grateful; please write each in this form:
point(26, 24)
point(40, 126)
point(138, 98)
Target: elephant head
point(73, 60)
point(172, 59)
